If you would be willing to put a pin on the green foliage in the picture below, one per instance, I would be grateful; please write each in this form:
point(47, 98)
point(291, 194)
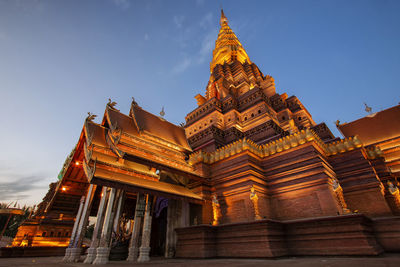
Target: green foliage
point(14, 222)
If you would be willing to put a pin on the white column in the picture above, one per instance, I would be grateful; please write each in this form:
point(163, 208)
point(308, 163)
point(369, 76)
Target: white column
point(103, 251)
point(118, 211)
point(97, 229)
point(135, 237)
point(71, 241)
point(80, 231)
point(145, 247)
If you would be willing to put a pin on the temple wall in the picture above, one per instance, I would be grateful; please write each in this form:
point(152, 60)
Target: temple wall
point(299, 184)
point(251, 239)
point(56, 234)
point(362, 188)
point(387, 232)
point(290, 185)
point(239, 208)
point(334, 235)
point(339, 235)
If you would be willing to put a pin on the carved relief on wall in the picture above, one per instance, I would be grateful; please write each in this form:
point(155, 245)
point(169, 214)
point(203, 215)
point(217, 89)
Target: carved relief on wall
point(394, 191)
point(339, 195)
point(254, 200)
point(216, 210)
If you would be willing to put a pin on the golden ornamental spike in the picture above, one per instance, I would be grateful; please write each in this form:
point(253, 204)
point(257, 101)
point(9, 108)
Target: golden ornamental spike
point(162, 112)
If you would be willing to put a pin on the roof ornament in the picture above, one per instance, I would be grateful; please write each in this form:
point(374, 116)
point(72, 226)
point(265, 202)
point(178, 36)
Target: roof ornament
point(337, 123)
point(368, 108)
point(162, 112)
point(90, 116)
point(134, 103)
point(223, 18)
point(111, 103)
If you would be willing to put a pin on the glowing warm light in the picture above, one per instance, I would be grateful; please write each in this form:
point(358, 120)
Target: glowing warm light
point(64, 188)
point(76, 163)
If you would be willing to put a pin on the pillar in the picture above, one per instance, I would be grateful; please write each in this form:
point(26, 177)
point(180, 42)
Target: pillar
point(118, 211)
point(178, 216)
point(71, 241)
point(97, 229)
point(103, 251)
point(80, 231)
point(138, 220)
point(173, 213)
point(145, 246)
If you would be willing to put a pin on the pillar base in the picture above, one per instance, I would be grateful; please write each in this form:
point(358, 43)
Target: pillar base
point(67, 255)
point(170, 253)
point(144, 254)
point(102, 255)
point(133, 254)
point(75, 254)
point(90, 256)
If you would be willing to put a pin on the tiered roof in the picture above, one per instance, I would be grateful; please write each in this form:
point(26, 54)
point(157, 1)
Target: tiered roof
point(136, 151)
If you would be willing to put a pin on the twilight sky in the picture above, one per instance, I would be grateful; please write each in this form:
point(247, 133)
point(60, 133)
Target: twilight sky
point(61, 59)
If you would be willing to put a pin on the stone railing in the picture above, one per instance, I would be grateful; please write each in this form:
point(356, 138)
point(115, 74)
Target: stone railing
point(277, 146)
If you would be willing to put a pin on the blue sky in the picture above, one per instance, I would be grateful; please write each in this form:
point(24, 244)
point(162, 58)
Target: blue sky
point(62, 59)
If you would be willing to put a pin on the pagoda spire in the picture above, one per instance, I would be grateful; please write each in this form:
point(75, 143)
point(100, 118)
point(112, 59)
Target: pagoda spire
point(223, 19)
point(227, 46)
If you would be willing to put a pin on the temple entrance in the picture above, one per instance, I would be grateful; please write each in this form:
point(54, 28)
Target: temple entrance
point(159, 228)
point(123, 226)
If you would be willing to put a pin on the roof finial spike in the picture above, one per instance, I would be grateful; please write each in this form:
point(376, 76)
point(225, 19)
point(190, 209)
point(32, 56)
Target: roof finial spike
point(368, 108)
point(111, 103)
point(90, 116)
point(223, 18)
point(162, 113)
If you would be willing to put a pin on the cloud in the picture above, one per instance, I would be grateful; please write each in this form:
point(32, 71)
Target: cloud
point(207, 45)
point(178, 21)
point(19, 187)
point(182, 66)
point(146, 37)
point(123, 4)
point(206, 21)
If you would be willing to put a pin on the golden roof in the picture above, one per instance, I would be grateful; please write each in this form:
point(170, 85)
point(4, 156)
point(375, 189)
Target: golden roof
point(95, 134)
point(374, 128)
point(227, 46)
point(158, 186)
point(119, 120)
point(160, 128)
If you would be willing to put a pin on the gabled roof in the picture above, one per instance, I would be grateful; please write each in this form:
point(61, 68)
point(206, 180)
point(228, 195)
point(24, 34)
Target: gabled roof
point(159, 127)
point(96, 133)
point(119, 120)
point(374, 128)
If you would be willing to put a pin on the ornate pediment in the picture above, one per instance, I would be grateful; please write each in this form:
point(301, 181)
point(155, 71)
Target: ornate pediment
point(89, 171)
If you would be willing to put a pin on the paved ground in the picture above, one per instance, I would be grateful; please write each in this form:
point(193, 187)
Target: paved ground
point(388, 260)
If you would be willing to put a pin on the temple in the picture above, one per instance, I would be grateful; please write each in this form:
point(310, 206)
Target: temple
point(250, 174)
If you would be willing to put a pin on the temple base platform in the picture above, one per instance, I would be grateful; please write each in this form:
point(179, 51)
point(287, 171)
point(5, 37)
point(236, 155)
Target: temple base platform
point(353, 234)
point(12, 252)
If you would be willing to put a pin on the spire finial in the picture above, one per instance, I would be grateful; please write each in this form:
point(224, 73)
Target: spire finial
point(223, 18)
point(162, 113)
point(368, 108)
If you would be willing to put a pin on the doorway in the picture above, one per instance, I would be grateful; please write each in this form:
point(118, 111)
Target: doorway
point(159, 228)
